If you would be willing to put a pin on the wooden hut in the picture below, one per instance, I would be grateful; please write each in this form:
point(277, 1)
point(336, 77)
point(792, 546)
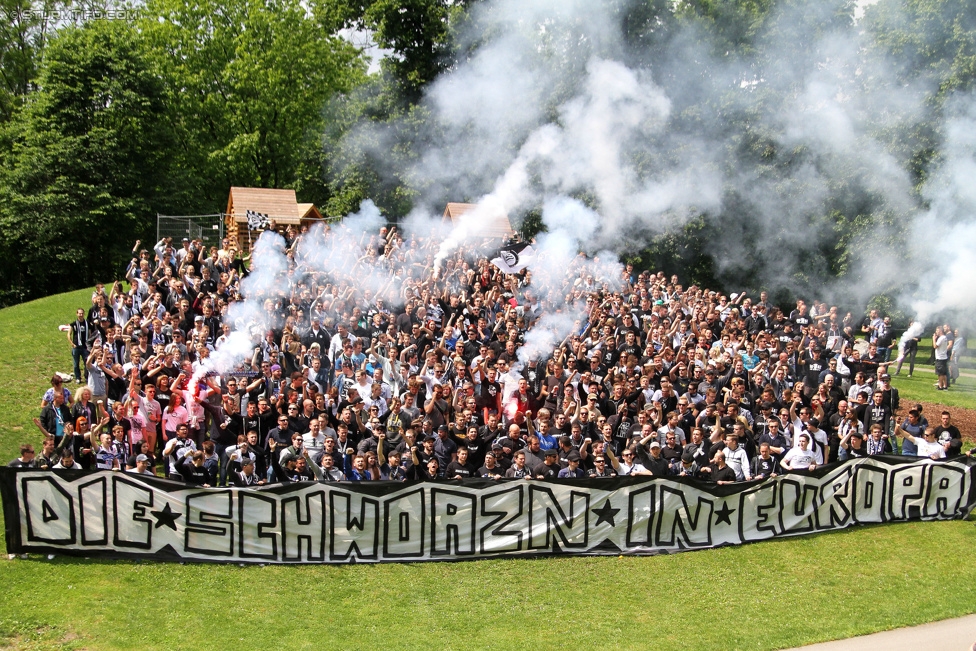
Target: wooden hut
point(496, 225)
point(281, 207)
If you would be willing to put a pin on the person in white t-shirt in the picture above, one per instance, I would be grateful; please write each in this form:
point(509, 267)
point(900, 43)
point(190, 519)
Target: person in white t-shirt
point(940, 343)
point(801, 456)
point(627, 465)
point(314, 440)
point(928, 445)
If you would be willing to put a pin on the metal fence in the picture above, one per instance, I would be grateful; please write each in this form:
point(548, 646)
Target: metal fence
point(208, 228)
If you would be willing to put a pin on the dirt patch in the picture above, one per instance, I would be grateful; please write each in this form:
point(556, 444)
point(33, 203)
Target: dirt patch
point(964, 419)
point(43, 637)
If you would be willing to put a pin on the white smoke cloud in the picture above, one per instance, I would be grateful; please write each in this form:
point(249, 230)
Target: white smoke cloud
point(550, 104)
point(944, 238)
point(549, 99)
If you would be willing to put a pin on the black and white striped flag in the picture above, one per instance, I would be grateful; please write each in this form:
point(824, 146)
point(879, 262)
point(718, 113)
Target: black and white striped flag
point(256, 220)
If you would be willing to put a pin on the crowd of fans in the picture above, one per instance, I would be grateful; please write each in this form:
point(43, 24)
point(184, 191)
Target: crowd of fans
point(431, 378)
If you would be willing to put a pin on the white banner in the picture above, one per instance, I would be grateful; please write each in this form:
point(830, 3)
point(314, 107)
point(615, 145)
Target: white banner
point(120, 514)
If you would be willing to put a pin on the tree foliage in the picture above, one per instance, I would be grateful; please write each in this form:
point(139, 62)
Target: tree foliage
point(105, 123)
point(249, 80)
point(88, 155)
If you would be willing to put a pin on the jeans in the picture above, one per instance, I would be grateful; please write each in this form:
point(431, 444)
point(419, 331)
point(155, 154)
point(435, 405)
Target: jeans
point(80, 355)
point(911, 362)
point(220, 449)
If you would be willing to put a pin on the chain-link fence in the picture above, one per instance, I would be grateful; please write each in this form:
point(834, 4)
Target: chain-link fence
point(208, 228)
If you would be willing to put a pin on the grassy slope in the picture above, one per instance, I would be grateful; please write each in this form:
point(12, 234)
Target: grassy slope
point(921, 385)
point(766, 596)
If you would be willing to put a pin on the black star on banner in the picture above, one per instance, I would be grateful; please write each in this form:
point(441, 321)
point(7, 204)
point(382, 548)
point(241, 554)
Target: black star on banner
point(166, 517)
point(724, 514)
point(605, 514)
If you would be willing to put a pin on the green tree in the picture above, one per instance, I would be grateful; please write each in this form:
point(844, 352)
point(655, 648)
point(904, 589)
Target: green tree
point(88, 153)
point(24, 29)
point(418, 33)
point(935, 39)
point(249, 80)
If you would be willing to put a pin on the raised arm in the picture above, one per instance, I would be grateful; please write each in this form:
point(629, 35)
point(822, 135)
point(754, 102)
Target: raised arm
point(900, 432)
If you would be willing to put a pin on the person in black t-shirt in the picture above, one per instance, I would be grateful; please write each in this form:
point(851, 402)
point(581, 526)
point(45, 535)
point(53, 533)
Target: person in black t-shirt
point(948, 435)
point(812, 365)
point(192, 470)
point(719, 472)
point(490, 469)
point(26, 458)
point(548, 469)
point(422, 470)
point(460, 468)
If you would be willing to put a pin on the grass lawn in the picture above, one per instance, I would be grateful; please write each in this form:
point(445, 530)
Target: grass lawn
point(761, 596)
point(921, 386)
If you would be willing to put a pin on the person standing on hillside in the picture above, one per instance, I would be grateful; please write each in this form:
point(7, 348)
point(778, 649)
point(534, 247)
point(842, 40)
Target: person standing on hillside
point(940, 345)
point(78, 337)
point(955, 352)
point(911, 350)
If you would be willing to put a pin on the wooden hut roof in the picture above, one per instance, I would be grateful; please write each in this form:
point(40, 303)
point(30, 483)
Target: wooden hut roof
point(497, 225)
point(279, 205)
point(307, 211)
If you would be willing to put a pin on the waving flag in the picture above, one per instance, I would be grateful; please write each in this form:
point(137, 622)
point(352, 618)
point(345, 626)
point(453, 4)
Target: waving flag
point(513, 258)
point(256, 220)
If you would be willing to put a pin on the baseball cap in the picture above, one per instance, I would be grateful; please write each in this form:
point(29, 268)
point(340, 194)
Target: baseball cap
point(655, 444)
point(551, 452)
point(141, 457)
point(573, 456)
point(275, 367)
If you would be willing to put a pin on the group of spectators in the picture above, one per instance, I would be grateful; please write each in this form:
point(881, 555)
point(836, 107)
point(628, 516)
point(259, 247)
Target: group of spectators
point(432, 378)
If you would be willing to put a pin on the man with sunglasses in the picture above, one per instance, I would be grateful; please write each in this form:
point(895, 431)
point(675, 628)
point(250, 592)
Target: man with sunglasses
point(627, 465)
point(601, 468)
point(928, 444)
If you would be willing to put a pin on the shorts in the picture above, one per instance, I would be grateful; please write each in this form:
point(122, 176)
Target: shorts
point(942, 367)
